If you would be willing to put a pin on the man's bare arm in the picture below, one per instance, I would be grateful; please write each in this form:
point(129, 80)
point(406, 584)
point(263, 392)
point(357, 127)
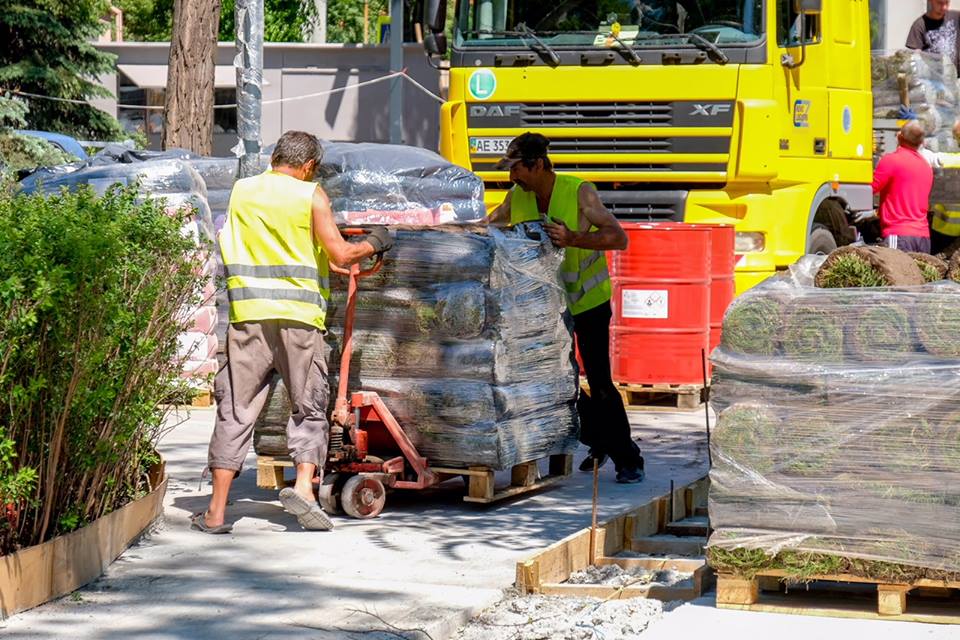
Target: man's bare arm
point(500, 216)
point(609, 235)
point(325, 233)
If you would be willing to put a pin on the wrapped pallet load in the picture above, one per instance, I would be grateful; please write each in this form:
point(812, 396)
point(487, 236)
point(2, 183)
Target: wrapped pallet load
point(837, 446)
point(180, 186)
point(461, 334)
point(923, 82)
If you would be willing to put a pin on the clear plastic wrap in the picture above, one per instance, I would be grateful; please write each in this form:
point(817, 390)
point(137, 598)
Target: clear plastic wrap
point(372, 183)
point(839, 426)
point(173, 180)
point(932, 91)
point(462, 335)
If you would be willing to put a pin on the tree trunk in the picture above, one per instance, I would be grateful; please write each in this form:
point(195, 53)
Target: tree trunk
point(188, 105)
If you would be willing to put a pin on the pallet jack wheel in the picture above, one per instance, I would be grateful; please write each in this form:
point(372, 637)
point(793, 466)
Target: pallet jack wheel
point(363, 497)
point(328, 493)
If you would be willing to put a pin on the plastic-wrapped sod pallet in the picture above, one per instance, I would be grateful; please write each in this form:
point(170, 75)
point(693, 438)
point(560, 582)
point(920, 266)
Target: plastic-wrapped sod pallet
point(838, 432)
point(932, 91)
point(462, 335)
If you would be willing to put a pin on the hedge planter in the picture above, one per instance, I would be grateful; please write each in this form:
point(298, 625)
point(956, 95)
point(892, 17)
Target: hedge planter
point(37, 574)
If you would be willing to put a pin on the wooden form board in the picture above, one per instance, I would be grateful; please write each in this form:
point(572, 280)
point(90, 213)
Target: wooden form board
point(37, 574)
point(934, 601)
point(553, 565)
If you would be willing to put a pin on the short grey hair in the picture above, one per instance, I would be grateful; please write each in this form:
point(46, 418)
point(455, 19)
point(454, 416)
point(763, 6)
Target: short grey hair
point(913, 133)
point(295, 149)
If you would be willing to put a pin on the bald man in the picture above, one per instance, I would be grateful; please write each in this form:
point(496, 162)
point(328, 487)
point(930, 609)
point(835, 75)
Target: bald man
point(903, 180)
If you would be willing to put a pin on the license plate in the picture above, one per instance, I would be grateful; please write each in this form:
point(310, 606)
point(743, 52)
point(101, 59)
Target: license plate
point(489, 146)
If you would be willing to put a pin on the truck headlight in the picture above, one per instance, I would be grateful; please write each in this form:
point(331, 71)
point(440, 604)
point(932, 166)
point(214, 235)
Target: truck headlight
point(750, 242)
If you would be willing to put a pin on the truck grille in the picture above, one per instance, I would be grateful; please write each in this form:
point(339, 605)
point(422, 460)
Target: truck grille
point(587, 114)
point(645, 206)
point(698, 144)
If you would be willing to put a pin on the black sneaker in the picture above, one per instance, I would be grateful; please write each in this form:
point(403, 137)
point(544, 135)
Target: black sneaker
point(630, 475)
point(587, 464)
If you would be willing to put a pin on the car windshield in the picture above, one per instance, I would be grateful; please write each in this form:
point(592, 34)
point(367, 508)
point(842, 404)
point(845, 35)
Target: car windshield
point(606, 23)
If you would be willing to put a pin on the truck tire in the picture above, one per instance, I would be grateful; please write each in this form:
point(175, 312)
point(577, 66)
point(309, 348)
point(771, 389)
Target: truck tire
point(821, 241)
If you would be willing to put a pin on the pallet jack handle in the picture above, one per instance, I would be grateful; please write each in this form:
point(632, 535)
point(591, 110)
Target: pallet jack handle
point(341, 411)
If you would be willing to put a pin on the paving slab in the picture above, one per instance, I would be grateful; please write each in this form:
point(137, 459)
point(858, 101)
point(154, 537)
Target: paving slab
point(429, 562)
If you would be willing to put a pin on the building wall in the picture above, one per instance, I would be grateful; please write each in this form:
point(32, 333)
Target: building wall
point(900, 16)
point(359, 115)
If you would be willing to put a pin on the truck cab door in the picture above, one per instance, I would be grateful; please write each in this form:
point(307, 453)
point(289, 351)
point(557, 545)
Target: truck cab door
point(801, 83)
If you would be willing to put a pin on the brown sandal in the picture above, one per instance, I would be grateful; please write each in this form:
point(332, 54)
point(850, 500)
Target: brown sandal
point(198, 522)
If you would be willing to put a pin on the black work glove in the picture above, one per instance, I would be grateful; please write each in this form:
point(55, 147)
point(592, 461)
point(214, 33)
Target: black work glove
point(379, 238)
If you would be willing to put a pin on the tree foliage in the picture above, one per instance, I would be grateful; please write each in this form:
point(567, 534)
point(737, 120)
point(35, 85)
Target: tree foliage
point(46, 49)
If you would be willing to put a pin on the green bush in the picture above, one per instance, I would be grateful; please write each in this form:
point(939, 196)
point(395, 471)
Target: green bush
point(91, 290)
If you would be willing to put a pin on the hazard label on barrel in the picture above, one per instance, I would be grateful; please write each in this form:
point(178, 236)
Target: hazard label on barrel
point(645, 303)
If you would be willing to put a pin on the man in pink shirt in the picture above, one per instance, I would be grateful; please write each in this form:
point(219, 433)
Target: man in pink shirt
point(903, 180)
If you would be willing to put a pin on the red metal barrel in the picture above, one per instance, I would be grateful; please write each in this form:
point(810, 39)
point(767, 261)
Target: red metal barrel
point(661, 304)
point(723, 261)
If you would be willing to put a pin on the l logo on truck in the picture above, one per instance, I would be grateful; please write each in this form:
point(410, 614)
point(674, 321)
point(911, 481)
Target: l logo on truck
point(482, 84)
point(710, 110)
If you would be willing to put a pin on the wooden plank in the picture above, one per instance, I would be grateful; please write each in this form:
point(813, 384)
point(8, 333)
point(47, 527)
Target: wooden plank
point(739, 591)
point(270, 472)
point(453, 471)
point(555, 563)
point(509, 492)
point(661, 545)
point(891, 599)
point(202, 398)
point(681, 565)
point(40, 573)
point(845, 577)
point(609, 592)
point(524, 475)
point(934, 615)
point(561, 464)
point(696, 526)
point(481, 486)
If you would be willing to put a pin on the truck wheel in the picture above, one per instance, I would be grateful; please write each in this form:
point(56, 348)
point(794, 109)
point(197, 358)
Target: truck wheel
point(821, 241)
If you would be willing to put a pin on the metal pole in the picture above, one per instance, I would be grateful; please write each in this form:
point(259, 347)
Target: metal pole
point(320, 29)
point(249, 65)
point(396, 64)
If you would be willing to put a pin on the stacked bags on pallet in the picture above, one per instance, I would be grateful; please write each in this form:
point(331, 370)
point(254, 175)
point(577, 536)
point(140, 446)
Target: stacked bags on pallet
point(928, 83)
point(461, 334)
point(837, 446)
point(179, 185)
point(394, 184)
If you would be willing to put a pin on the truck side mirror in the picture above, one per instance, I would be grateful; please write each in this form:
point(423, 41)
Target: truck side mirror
point(435, 19)
point(808, 7)
point(435, 44)
point(435, 15)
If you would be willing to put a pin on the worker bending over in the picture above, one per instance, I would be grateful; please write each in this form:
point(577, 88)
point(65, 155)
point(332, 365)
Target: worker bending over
point(903, 180)
point(577, 221)
point(276, 243)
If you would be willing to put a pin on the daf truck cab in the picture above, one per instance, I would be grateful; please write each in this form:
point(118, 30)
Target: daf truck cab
point(755, 113)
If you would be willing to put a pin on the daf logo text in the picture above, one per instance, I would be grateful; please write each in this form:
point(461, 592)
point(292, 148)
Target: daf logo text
point(495, 110)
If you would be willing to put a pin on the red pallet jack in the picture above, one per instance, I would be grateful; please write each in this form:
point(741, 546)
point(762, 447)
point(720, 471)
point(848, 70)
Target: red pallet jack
point(355, 479)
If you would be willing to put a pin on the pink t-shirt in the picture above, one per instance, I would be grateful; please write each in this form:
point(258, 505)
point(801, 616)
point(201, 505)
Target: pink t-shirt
point(904, 180)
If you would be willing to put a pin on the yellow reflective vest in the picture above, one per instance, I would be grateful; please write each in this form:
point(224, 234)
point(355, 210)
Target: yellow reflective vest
point(946, 215)
point(584, 272)
point(275, 270)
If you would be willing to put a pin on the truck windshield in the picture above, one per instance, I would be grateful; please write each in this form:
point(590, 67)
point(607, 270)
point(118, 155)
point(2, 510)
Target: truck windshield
point(590, 23)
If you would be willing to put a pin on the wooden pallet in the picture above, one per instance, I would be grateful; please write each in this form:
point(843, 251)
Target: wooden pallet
point(270, 471)
point(658, 397)
point(547, 572)
point(481, 486)
point(842, 596)
point(202, 398)
point(524, 477)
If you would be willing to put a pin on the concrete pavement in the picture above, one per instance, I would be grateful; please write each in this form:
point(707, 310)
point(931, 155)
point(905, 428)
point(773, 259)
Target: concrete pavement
point(428, 562)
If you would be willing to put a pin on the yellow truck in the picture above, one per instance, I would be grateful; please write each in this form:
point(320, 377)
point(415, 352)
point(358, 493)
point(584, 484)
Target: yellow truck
point(756, 113)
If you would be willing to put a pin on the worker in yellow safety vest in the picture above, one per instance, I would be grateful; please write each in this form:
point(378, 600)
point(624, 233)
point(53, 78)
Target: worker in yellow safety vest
point(276, 243)
point(945, 216)
point(576, 220)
